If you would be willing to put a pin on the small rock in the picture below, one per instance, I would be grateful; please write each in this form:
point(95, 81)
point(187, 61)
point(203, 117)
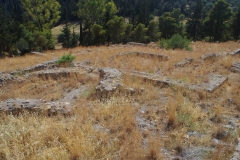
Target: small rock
point(235, 67)
point(229, 127)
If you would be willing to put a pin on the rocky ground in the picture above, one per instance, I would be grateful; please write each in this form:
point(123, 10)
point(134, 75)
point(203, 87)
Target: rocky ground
point(210, 84)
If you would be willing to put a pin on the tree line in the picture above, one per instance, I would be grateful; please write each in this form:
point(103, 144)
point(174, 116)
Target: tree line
point(26, 24)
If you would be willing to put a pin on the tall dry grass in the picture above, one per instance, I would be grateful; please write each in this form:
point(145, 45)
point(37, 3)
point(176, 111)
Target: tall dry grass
point(107, 131)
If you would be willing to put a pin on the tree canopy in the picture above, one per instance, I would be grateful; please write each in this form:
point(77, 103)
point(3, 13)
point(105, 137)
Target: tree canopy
point(26, 25)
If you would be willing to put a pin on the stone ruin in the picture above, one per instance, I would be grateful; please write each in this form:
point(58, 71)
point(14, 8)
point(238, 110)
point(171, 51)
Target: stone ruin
point(160, 57)
point(236, 153)
point(16, 106)
point(136, 44)
point(110, 82)
point(185, 62)
point(213, 81)
point(235, 67)
point(46, 65)
point(208, 56)
point(236, 52)
point(4, 78)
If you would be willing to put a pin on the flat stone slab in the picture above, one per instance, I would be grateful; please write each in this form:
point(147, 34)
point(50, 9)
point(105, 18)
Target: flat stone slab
point(213, 82)
point(185, 62)
point(38, 53)
point(136, 44)
point(16, 106)
point(236, 52)
point(52, 74)
point(141, 54)
point(208, 56)
point(235, 67)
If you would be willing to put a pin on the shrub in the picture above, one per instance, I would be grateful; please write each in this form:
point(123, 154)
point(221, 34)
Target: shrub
point(66, 60)
point(176, 41)
point(60, 38)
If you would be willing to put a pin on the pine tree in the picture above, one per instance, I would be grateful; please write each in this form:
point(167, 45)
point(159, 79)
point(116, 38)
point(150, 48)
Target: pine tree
point(116, 28)
point(139, 33)
point(216, 22)
point(152, 31)
point(98, 34)
point(74, 40)
point(127, 33)
point(167, 25)
point(236, 25)
point(66, 36)
point(44, 13)
point(194, 24)
point(89, 12)
point(8, 32)
point(144, 13)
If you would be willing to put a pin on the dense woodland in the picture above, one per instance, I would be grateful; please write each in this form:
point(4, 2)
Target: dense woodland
point(26, 24)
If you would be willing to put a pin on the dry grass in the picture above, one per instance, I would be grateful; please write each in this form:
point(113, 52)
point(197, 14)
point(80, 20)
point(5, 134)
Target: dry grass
point(101, 131)
point(109, 129)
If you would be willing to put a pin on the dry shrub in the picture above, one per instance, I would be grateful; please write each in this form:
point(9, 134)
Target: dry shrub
point(202, 95)
point(222, 152)
point(172, 115)
point(227, 62)
point(218, 111)
point(220, 133)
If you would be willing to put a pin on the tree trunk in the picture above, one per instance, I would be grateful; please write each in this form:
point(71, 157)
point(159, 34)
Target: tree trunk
point(1, 52)
point(81, 34)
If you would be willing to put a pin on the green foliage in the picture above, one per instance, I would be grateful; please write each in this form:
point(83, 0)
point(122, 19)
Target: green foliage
point(43, 40)
point(110, 11)
point(116, 29)
point(152, 31)
point(98, 34)
point(139, 33)
point(167, 25)
point(194, 24)
point(43, 13)
point(176, 41)
point(22, 45)
point(74, 40)
point(66, 60)
point(60, 38)
point(8, 32)
point(127, 33)
point(144, 13)
point(66, 36)
point(217, 20)
point(236, 25)
point(68, 39)
point(90, 12)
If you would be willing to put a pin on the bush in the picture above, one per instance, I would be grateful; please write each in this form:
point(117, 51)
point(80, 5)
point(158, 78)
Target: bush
point(176, 41)
point(66, 60)
point(60, 38)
